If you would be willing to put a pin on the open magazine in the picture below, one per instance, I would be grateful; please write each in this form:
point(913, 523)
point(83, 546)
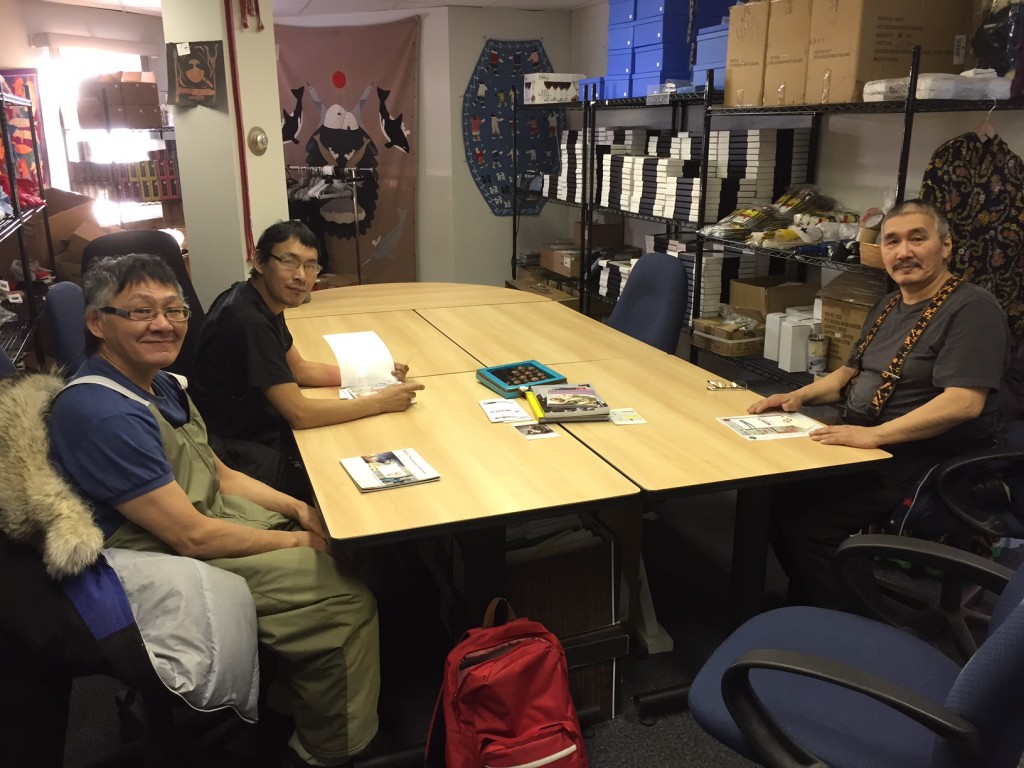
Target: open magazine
point(771, 426)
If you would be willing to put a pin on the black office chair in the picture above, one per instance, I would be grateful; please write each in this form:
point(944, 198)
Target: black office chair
point(160, 244)
point(968, 502)
point(64, 315)
point(804, 686)
point(64, 614)
point(652, 307)
point(7, 366)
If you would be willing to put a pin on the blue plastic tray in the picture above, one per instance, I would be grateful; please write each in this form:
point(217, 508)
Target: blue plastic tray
point(503, 379)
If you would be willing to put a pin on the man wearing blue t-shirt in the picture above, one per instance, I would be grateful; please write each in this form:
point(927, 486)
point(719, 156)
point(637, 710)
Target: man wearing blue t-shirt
point(128, 437)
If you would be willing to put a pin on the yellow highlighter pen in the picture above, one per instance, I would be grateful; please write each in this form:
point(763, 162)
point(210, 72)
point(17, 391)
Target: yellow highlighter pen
point(534, 403)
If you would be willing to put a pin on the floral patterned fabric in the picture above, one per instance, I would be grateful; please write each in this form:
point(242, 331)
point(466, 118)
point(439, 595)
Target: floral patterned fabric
point(979, 185)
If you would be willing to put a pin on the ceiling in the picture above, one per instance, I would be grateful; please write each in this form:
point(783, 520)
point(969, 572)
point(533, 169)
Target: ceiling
point(293, 8)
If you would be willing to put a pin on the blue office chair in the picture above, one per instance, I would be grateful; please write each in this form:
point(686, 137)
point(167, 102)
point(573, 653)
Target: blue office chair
point(7, 367)
point(157, 243)
point(652, 306)
point(64, 314)
point(803, 686)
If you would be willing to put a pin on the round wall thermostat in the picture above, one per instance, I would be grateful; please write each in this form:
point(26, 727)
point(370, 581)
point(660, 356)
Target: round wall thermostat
point(257, 140)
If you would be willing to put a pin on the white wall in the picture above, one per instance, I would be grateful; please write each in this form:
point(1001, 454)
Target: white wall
point(590, 40)
point(208, 157)
point(483, 242)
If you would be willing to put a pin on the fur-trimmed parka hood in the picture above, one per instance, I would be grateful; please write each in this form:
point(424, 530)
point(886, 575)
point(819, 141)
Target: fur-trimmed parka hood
point(37, 506)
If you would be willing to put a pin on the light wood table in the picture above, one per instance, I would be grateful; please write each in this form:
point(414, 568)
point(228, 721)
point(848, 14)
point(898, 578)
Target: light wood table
point(488, 471)
point(384, 297)
point(409, 338)
point(682, 450)
point(682, 446)
point(550, 333)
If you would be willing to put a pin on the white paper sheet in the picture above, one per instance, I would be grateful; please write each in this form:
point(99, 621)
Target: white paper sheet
point(363, 358)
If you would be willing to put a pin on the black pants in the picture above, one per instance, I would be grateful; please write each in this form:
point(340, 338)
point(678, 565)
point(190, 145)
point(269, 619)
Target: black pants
point(810, 519)
point(273, 460)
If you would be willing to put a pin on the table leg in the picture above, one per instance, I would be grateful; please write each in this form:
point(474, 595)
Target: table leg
point(750, 550)
point(482, 576)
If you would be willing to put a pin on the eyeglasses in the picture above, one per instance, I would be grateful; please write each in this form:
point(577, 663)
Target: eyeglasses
point(148, 314)
point(311, 268)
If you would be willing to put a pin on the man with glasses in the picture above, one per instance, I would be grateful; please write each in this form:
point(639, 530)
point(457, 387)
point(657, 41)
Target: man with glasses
point(129, 439)
point(248, 373)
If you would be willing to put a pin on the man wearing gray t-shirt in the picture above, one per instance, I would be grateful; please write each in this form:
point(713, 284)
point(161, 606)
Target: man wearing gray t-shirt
point(921, 383)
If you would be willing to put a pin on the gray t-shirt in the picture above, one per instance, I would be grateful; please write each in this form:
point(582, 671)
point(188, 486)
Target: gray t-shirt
point(966, 344)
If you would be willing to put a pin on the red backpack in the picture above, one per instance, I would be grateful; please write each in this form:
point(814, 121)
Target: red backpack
point(505, 702)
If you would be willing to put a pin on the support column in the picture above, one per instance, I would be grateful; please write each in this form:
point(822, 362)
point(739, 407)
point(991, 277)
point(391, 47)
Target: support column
point(208, 141)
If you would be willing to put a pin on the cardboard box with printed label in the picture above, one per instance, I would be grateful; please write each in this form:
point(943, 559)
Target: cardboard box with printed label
point(845, 303)
point(561, 259)
point(769, 294)
point(551, 87)
point(856, 41)
point(744, 65)
point(785, 64)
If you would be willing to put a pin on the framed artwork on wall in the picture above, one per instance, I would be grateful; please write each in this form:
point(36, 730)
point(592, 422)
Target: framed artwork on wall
point(25, 83)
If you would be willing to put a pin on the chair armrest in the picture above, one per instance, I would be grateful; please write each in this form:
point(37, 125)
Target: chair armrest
point(780, 750)
point(946, 472)
point(978, 570)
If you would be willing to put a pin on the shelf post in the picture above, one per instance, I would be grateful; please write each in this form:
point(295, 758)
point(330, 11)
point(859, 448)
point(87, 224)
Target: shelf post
point(908, 125)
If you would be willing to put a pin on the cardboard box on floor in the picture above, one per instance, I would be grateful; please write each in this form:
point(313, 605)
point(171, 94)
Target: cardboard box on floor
point(772, 293)
point(845, 303)
point(856, 41)
point(67, 211)
point(69, 260)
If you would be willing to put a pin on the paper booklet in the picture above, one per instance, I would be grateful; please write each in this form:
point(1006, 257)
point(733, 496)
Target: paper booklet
point(771, 426)
point(390, 469)
point(364, 360)
point(566, 402)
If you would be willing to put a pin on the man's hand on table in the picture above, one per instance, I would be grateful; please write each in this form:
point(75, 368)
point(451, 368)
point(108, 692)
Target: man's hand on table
point(786, 401)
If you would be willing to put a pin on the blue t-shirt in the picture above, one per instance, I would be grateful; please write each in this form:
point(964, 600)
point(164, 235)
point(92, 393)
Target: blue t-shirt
point(108, 446)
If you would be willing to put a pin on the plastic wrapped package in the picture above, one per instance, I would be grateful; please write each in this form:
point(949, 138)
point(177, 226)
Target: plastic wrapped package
point(939, 86)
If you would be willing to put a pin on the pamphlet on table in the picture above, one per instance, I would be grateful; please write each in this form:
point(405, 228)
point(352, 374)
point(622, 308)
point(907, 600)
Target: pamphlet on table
point(771, 426)
point(390, 469)
point(501, 410)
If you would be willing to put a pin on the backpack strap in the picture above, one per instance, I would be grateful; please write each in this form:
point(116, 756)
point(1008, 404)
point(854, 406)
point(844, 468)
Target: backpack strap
point(492, 610)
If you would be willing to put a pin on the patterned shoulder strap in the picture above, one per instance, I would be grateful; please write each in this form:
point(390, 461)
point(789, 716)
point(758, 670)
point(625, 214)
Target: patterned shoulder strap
point(891, 375)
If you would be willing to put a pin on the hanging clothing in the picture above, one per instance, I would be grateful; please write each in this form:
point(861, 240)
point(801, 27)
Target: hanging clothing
point(979, 185)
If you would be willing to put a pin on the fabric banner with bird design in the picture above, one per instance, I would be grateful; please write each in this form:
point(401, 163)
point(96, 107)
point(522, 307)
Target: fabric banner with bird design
point(349, 127)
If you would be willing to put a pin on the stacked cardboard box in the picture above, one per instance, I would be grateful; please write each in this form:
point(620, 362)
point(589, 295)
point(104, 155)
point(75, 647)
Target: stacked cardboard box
point(824, 51)
point(119, 100)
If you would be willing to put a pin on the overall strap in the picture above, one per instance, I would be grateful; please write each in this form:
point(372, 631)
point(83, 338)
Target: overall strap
point(103, 381)
point(891, 375)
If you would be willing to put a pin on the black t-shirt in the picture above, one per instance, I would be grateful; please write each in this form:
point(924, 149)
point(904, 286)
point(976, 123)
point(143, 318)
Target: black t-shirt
point(241, 352)
point(966, 344)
